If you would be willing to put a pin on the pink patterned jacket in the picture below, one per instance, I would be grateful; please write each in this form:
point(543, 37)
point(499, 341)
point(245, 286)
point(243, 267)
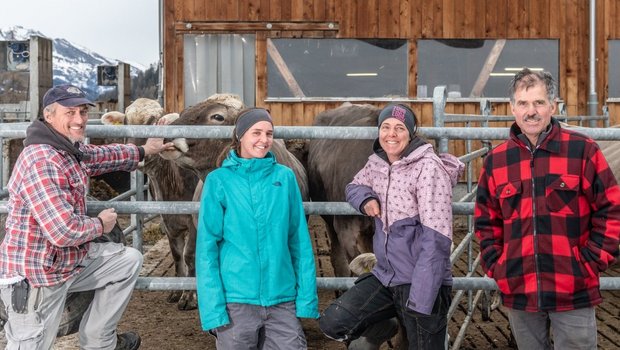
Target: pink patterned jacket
point(413, 237)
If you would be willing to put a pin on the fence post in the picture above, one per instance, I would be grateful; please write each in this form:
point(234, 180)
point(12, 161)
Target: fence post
point(606, 114)
point(137, 184)
point(440, 95)
point(562, 112)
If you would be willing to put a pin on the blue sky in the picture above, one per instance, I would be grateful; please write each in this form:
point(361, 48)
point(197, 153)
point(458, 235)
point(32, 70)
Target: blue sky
point(127, 30)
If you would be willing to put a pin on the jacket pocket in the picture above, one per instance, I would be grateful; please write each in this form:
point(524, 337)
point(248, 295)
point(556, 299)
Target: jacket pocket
point(581, 271)
point(562, 193)
point(509, 196)
point(51, 262)
point(584, 267)
point(499, 275)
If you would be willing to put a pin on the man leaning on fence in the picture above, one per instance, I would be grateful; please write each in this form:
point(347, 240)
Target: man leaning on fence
point(548, 220)
point(48, 250)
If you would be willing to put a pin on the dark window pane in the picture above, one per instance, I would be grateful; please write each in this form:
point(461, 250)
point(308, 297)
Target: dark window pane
point(337, 68)
point(480, 68)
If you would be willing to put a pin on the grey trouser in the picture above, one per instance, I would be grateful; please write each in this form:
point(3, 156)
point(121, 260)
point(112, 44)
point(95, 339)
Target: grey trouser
point(575, 329)
point(254, 327)
point(110, 269)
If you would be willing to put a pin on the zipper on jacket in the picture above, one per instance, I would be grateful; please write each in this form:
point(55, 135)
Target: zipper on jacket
point(387, 190)
point(535, 233)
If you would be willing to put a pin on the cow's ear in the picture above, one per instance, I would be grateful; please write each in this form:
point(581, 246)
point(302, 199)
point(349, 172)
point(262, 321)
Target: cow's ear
point(113, 118)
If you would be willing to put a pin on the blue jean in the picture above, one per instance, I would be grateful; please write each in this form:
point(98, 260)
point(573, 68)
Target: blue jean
point(368, 302)
point(572, 330)
point(259, 327)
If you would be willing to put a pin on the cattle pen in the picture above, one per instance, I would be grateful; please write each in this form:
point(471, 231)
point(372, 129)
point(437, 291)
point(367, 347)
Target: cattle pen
point(476, 289)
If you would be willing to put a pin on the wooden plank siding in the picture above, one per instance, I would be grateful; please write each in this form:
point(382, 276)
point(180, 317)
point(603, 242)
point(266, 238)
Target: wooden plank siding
point(564, 20)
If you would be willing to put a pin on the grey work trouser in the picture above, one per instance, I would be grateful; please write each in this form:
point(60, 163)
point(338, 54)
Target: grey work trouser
point(572, 330)
point(255, 327)
point(110, 269)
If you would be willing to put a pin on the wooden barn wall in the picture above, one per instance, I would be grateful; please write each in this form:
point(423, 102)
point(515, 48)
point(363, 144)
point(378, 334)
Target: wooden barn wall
point(566, 20)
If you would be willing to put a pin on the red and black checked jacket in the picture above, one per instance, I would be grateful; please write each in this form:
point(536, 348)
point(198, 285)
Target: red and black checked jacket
point(47, 229)
point(548, 221)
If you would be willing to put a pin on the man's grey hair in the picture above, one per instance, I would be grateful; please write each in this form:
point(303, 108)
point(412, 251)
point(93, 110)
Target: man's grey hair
point(527, 78)
point(50, 109)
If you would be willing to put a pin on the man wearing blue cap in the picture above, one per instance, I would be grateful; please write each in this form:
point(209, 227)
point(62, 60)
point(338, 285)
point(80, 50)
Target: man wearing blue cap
point(49, 249)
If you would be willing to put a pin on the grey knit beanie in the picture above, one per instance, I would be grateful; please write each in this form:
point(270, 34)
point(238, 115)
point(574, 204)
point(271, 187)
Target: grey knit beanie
point(400, 112)
point(249, 117)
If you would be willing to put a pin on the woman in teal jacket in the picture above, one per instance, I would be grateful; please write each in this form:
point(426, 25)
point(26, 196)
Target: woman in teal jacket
point(255, 270)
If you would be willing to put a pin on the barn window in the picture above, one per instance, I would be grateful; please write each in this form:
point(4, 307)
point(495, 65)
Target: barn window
point(316, 68)
point(614, 69)
point(219, 63)
point(473, 68)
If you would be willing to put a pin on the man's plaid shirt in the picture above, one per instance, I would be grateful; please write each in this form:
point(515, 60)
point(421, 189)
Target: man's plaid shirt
point(47, 229)
point(548, 221)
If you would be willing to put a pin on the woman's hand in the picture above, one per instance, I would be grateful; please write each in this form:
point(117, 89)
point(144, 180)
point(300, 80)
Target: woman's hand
point(372, 208)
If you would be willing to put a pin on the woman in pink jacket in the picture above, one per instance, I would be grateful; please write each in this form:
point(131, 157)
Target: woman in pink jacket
point(407, 188)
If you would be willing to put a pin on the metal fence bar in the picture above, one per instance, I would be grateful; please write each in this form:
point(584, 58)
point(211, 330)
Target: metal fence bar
point(440, 95)
point(18, 130)
point(463, 118)
point(137, 186)
point(174, 207)
point(343, 283)
point(456, 344)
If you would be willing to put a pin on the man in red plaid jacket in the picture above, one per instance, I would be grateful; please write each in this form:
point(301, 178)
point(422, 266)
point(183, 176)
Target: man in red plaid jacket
point(47, 250)
point(548, 220)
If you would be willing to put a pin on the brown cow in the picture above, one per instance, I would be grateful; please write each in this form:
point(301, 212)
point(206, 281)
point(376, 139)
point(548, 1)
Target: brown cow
point(610, 150)
point(332, 164)
point(167, 182)
point(200, 155)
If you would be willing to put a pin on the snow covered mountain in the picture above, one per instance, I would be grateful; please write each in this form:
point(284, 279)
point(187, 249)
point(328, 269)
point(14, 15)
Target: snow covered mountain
point(71, 63)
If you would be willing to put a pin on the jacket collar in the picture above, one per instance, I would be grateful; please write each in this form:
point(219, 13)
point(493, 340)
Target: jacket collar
point(248, 165)
point(549, 140)
point(40, 132)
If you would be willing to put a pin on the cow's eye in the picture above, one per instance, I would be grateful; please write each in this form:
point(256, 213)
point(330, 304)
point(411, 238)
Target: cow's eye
point(218, 117)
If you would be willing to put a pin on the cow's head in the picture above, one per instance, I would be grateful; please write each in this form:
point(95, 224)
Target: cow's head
point(200, 155)
point(142, 111)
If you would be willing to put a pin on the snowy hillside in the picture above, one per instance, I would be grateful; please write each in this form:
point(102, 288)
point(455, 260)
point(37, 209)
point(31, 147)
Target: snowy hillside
point(72, 63)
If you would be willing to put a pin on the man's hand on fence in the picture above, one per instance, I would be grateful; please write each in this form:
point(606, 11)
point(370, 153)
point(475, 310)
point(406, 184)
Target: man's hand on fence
point(108, 219)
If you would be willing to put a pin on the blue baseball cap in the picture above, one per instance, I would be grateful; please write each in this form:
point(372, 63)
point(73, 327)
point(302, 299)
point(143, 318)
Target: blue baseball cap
point(66, 95)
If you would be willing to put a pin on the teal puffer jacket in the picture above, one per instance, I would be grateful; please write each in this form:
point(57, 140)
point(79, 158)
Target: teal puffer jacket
point(253, 245)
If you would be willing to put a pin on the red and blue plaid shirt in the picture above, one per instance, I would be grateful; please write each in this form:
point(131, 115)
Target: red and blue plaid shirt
point(548, 221)
point(47, 229)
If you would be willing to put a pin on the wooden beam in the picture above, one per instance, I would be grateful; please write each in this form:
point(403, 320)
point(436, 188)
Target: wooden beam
point(283, 69)
point(191, 27)
point(487, 68)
